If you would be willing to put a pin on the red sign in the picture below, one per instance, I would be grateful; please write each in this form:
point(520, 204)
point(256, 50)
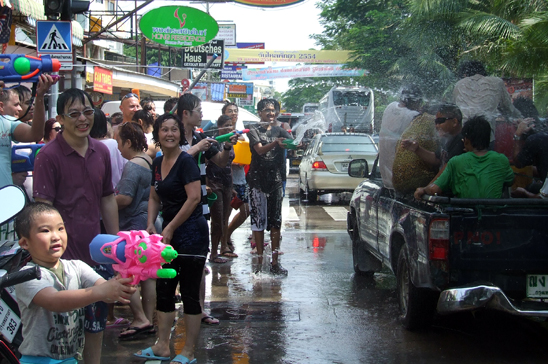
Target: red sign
point(102, 80)
point(268, 3)
point(237, 89)
point(185, 82)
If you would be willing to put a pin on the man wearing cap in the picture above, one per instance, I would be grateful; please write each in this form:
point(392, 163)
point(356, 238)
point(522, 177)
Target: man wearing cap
point(395, 119)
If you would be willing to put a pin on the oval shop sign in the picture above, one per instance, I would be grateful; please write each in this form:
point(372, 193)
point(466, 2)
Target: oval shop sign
point(268, 3)
point(178, 26)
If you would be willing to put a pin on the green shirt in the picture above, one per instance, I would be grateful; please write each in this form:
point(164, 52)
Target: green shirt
point(471, 176)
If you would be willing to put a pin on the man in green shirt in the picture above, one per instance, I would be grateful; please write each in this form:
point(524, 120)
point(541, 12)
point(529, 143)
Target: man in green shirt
point(479, 173)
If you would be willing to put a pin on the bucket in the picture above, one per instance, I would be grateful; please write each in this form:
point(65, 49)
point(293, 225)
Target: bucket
point(211, 198)
point(242, 152)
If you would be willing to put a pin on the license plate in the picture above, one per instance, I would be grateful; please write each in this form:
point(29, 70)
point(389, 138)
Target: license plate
point(295, 162)
point(537, 285)
point(344, 165)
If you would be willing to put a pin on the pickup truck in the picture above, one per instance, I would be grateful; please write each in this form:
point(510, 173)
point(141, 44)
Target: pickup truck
point(450, 254)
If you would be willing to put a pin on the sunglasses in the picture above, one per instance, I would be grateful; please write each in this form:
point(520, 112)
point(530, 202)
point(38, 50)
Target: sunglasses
point(58, 129)
point(441, 120)
point(127, 96)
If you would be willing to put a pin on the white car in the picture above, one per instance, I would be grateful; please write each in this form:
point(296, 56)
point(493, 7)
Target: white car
point(324, 165)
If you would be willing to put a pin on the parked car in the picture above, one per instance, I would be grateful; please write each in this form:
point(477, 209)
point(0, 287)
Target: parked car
point(324, 165)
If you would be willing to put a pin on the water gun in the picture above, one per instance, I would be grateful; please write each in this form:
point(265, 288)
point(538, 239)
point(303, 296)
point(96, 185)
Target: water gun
point(134, 253)
point(22, 157)
point(25, 68)
point(290, 143)
point(226, 137)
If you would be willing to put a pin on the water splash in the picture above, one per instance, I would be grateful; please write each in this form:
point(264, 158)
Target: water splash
point(317, 121)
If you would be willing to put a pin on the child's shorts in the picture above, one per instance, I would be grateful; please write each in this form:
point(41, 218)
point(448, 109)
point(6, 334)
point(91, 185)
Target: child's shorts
point(29, 359)
point(96, 313)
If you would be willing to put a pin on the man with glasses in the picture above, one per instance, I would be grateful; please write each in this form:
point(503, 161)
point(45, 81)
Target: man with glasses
point(265, 181)
point(73, 173)
point(128, 105)
point(449, 126)
point(478, 173)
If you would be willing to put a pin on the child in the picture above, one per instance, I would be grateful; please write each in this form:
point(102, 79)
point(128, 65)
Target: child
point(52, 311)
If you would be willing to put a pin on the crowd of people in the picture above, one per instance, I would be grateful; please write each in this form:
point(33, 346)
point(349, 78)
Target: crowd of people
point(487, 142)
point(138, 170)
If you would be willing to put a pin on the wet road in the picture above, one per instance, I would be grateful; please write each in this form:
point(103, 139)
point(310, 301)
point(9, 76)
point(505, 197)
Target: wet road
point(323, 313)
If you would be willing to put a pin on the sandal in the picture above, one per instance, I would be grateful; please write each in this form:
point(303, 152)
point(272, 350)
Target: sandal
point(119, 321)
point(229, 254)
point(147, 330)
point(218, 260)
point(210, 320)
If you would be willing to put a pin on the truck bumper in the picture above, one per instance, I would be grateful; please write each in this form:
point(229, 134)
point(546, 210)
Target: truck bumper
point(483, 296)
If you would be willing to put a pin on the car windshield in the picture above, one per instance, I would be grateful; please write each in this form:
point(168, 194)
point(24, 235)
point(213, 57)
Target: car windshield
point(351, 98)
point(348, 144)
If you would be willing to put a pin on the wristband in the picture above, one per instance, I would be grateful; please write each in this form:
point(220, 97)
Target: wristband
point(517, 137)
point(225, 148)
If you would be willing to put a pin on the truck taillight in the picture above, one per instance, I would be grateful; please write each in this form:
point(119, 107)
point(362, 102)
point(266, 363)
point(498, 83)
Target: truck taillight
point(319, 165)
point(438, 239)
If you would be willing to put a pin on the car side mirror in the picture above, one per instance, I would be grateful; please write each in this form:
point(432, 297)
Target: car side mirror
point(358, 168)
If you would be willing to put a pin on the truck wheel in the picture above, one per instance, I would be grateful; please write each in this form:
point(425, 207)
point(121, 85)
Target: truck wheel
point(362, 258)
point(417, 306)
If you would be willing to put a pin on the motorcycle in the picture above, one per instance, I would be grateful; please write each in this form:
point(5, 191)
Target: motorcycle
point(12, 259)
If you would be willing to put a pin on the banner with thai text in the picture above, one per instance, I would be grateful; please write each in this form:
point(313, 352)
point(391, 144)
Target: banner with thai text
point(270, 73)
point(236, 55)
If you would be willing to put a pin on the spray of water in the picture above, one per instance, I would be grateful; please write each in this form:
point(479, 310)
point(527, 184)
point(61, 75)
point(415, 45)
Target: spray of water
point(316, 121)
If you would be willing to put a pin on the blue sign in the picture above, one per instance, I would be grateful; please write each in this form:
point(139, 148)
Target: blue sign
point(232, 72)
point(53, 37)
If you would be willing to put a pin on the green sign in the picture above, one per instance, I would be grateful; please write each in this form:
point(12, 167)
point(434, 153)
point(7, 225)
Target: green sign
point(178, 26)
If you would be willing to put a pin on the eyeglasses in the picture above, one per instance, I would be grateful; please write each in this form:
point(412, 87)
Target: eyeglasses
point(441, 120)
point(268, 111)
point(131, 94)
point(88, 113)
point(198, 110)
point(58, 129)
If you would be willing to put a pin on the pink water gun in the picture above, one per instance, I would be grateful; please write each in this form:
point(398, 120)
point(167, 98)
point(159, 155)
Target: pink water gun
point(134, 253)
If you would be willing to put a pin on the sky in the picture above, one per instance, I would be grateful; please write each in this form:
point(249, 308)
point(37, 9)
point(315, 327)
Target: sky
point(282, 28)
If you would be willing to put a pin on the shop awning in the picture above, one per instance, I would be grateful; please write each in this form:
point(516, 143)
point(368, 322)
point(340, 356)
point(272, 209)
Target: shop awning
point(30, 8)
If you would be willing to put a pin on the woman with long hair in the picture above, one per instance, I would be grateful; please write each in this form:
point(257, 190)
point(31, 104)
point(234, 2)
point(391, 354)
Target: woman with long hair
point(176, 190)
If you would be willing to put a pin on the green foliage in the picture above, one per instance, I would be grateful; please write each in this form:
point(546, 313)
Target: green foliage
point(423, 41)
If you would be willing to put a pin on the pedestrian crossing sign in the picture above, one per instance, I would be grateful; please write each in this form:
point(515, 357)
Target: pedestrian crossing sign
point(54, 37)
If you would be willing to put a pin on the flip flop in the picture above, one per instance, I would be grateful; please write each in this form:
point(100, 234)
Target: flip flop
point(149, 354)
point(208, 320)
point(120, 321)
point(183, 360)
point(218, 260)
point(229, 254)
point(149, 329)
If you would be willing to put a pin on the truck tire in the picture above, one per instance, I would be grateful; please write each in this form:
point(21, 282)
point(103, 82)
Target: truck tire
point(417, 306)
point(364, 263)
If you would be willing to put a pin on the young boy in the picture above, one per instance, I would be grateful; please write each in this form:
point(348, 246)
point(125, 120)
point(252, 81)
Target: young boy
point(52, 308)
point(479, 173)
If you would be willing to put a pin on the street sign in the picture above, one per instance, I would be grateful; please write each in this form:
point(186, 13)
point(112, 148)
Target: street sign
point(185, 82)
point(197, 57)
point(54, 38)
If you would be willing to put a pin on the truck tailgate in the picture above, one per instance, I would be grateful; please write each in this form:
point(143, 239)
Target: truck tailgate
point(513, 239)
